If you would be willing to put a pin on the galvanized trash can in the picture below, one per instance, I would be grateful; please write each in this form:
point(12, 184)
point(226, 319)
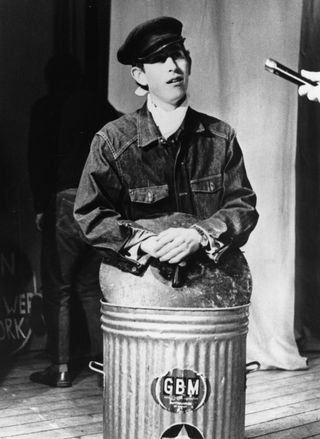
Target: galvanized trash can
point(175, 371)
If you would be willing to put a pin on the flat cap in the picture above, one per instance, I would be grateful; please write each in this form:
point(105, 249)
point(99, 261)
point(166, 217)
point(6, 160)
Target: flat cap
point(150, 38)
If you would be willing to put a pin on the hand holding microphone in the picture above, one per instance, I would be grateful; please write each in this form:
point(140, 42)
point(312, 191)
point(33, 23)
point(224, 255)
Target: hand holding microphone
point(308, 82)
point(312, 92)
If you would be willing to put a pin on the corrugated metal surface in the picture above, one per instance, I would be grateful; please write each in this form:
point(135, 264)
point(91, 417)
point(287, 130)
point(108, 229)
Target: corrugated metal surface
point(141, 345)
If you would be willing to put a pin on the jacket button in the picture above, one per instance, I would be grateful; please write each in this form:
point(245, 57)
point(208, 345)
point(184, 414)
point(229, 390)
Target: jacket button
point(134, 269)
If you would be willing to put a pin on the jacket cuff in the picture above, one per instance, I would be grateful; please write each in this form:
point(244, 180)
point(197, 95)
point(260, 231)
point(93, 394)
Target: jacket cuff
point(131, 246)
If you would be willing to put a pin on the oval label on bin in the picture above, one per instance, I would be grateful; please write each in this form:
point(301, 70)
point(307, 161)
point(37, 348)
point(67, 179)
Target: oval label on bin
point(180, 390)
point(182, 431)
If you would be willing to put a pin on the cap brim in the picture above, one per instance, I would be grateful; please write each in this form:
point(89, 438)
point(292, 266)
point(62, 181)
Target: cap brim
point(158, 50)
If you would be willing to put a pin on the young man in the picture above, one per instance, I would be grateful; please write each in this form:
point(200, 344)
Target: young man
point(161, 161)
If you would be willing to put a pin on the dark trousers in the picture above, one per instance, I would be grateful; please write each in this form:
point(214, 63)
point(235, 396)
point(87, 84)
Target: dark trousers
point(69, 266)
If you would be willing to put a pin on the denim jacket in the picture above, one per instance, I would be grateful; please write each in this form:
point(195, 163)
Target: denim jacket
point(133, 178)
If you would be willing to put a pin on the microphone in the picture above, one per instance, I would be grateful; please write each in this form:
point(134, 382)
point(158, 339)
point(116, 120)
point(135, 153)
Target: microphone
point(284, 72)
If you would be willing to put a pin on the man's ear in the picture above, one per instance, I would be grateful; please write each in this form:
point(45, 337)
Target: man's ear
point(139, 76)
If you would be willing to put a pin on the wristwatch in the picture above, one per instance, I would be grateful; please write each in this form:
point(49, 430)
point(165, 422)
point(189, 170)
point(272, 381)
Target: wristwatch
point(204, 241)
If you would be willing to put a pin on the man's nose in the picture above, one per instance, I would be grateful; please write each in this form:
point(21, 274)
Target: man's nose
point(171, 63)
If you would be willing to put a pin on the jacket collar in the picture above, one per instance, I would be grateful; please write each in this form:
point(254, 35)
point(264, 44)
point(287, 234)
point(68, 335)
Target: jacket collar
point(148, 132)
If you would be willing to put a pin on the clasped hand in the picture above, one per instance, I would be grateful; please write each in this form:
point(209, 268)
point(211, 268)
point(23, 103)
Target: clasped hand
point(172, 245)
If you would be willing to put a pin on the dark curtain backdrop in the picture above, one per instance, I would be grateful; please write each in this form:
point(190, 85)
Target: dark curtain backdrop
point(308, 190)
point(229, 42)
point(31, 31)
point(26, 42)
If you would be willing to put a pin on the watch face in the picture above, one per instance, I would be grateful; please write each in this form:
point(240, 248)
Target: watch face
point(204, 241)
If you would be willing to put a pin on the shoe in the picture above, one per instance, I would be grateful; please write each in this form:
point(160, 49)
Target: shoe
point(51, 377)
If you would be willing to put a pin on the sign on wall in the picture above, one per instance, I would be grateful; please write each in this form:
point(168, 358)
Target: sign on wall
point(20, 305)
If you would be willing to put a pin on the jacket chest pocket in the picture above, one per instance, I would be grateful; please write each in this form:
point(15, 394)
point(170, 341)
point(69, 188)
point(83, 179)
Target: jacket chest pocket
point(149, 200)
point(207, 193)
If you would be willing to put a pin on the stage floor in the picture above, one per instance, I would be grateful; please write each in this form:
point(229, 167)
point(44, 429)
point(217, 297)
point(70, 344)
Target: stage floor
point(280, 404)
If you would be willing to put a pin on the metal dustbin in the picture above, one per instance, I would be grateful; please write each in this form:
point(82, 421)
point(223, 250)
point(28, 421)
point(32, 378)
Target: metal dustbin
point(175, 358)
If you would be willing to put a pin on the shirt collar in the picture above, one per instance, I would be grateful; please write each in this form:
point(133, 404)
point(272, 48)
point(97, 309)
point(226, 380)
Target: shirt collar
point(148, 132)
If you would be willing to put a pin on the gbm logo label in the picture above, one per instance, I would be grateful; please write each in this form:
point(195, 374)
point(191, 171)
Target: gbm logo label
point(180, 390)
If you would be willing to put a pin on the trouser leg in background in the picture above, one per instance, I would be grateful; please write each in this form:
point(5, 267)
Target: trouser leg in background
point(66, 261)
